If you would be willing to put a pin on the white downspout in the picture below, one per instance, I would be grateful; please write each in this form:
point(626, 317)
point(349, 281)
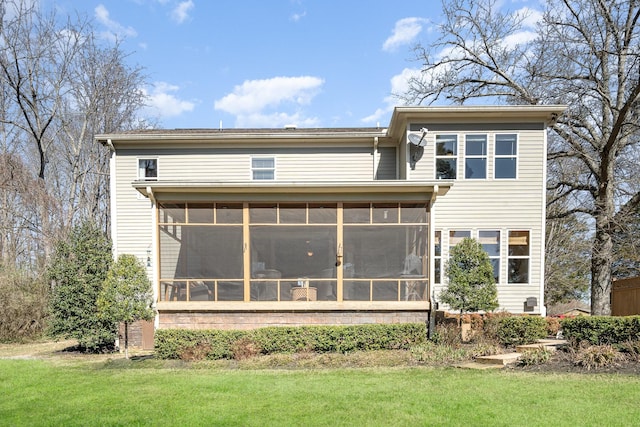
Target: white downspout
point(375, 157)
point(112, 199)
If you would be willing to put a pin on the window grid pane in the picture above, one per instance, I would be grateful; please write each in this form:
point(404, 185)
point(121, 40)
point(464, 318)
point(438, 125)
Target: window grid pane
point(506, 148)
point(475, 166)
point(446, 156)
point(518, 261)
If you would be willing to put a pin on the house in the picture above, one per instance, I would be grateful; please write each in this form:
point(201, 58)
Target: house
point(244, 228)
point(569, 309)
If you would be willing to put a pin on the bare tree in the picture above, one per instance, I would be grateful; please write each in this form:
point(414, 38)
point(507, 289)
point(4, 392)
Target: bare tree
point(58, 87)
point(566, 271)
point(583, 53)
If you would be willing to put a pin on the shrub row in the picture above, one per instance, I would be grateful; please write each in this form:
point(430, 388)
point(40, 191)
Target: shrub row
point(228, 344)
point(601, 330)
point(518, 330)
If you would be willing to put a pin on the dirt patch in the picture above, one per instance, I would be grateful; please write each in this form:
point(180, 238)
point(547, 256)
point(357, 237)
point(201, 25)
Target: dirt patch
point(34, 350)
point(562, 362)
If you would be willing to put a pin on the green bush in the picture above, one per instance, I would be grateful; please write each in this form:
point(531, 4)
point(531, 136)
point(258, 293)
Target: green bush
point(518, 330)
point(600, 330)
point(175, 343)
point(77, 272)
point(187, 343)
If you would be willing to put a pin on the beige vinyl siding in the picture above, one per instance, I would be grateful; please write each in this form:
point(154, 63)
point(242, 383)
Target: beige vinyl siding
point(498, 204)
point(292, 164)
point(135, 226)
point(387, 164)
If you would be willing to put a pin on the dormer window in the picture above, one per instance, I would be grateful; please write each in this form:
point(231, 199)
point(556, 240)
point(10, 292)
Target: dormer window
point(148, 169)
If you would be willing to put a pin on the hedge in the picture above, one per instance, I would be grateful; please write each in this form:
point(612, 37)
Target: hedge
point(220, 344)
point(517, 330)
point(599, 330)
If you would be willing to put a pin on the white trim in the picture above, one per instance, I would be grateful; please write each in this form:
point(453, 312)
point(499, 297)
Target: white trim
point(516, 155)
point(466, 156)
point(113, 204)
point(262, 157)
point(155, 258)
point(145, 178)
point(456, 156)
point(543, 239)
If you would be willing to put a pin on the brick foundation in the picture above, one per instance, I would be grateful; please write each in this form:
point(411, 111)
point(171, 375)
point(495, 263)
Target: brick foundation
point(252, 320)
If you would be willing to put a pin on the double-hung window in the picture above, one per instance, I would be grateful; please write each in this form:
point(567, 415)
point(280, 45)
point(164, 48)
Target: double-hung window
point(148, 169)
point(263, 168)
point(446, 156)
point(506, 156)
point(475, 157)
point(490, 241)
point(518, 261)
point(437, 256)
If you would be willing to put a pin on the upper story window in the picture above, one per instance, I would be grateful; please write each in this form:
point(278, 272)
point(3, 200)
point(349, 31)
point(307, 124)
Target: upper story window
point(263, 168)
point(475, 157)
point(506, 156)
point(148, 169)
point(446, 156)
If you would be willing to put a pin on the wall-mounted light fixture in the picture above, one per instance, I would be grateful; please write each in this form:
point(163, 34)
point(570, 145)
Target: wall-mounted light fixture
point(149, 256)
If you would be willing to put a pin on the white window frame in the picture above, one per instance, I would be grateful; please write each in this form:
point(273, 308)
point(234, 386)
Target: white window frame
point(516, 257)
point(513, 156)
point(494, 257)
point(453, 156)
point(483, 156)
point(142, 171)
point(437, 257)
point(262, 169)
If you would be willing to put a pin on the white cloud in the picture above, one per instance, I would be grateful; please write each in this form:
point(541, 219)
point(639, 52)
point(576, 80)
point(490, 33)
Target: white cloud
point(181, 12)
point(114, 30)
point(399, 85)
point(252, 102)
point(163, 103)
point(298, 16)
point(405, 32)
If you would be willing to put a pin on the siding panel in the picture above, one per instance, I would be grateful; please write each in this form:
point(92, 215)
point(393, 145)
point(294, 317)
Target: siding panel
point(490, 204)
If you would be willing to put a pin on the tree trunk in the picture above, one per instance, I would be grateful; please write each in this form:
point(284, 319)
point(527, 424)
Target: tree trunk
point(126, 340)
point(601, 256)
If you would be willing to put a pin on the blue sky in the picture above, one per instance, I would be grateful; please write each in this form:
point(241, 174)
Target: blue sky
point(267, 63)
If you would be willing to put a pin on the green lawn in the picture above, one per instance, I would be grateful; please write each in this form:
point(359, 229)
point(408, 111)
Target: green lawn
point(40, 392)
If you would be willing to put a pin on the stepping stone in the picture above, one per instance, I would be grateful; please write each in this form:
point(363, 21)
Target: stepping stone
point(499, 359)
point(476, 365)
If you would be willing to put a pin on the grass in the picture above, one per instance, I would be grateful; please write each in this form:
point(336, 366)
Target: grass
point(79, 391)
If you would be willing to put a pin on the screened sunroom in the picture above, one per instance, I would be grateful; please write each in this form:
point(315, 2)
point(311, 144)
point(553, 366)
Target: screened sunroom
point(285, 249)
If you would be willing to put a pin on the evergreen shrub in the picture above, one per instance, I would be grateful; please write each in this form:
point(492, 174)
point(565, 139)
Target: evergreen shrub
point(223, 344)
point(518, 330)
point(601, 330)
